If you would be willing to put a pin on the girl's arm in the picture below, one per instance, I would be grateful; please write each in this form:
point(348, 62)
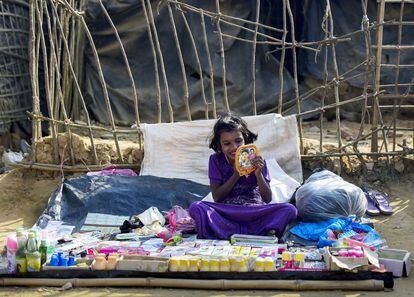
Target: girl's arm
point(264, 188)
point(220, 192)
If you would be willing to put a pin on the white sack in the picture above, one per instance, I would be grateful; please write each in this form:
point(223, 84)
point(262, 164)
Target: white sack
point(180, 150)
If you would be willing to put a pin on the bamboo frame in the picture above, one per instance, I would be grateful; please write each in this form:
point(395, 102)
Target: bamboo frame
point(63, 71)
point(222, 284)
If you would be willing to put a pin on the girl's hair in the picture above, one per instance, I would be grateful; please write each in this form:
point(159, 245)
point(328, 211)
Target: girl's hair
point(228, 123)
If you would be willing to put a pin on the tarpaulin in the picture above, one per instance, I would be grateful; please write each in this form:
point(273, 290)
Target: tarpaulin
point(117, 195)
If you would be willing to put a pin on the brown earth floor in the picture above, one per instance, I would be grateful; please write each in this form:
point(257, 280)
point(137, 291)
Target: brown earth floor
point(23, 196)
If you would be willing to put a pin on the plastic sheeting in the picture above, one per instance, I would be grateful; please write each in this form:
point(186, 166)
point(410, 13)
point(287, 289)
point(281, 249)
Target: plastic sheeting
point(117, 195)
point(130, 21)
point(326, 195)
point(180, 150)
point(347, 17)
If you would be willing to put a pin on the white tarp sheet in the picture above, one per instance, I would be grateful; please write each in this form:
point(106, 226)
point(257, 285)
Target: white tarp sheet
point(180, 150)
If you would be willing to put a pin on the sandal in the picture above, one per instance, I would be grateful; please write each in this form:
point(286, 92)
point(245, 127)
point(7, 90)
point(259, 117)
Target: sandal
point(383, 203)
point(372, 209)
point(379, 201)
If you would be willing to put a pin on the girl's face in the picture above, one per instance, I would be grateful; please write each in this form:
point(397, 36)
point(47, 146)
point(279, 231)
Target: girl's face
point(229, 142)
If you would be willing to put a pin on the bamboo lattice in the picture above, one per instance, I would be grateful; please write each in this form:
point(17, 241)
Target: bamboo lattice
point(58, 31)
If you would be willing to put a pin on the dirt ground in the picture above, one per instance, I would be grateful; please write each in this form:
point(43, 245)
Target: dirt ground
point(24, 194)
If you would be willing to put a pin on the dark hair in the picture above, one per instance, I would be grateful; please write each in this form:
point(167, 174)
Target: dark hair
point(228, 123)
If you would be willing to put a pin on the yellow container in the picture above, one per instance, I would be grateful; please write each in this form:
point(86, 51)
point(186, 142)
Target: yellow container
point(224, 264)
point(184, 265)
point(242, 265)
point(174, 264)
point(214, 265)
point(194, 262)
point(269, 264)
point(204, 265)
point(258, 265)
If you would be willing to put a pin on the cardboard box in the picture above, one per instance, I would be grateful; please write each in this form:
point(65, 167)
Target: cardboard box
point(396, 261)
point(335, 263)
point(142, 263)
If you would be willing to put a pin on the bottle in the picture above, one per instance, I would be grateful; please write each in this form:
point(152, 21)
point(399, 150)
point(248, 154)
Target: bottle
point(43, 251)
point(33, 256)
point(224, 264)
point(21, 264)
point(11, 245)
point(258, 265)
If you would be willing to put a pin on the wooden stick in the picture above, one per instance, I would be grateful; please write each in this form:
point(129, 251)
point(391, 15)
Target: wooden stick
point(163, 71)
point(375, 110)
point(53, 130)
point(282, 59)
point(256, 26)
point(223, 284)
point(210, 65)
point(104, 88)
point(295, 73)
point(197, 58)
point(180, 58)
point(223, 59)
point(124, 55)
point(78, 88)
point(32, 69)
point(154, 55)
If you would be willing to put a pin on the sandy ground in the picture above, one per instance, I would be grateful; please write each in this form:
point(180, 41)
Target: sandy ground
point(24, 195)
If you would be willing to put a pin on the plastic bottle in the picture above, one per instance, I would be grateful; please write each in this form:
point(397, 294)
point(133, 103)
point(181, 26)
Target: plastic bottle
point(33, 256)
point(258, 265)
point(43, 251)
point(11, 245)
point(21, 264)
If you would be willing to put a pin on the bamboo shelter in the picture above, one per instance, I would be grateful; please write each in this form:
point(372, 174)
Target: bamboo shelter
point(60, 34)
point(15, 91)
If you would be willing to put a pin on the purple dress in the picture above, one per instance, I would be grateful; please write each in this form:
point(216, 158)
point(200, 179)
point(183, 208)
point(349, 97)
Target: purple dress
point(243, 211)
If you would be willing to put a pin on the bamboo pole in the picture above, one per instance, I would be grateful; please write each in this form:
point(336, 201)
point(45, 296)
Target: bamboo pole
point(182, 66)
point(222, 284)
point(78, 88)
point(124, 56)
point(60, 94)
point(32, 68)
point(163, 71)
point(375, 110)
point(256, 26)
point(282, 59)
point(223, 16)
point(397, 76)
point(197, 58)
point(223, 59)
point(52, 125)
point(210, 65)
point(104, 88)
point(336, 87)
point(75, 168)
point(325, 81)
point(295, 72)
point(154, 55)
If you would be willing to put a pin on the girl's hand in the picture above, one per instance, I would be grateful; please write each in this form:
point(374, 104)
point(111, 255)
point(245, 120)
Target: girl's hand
point(258, 163)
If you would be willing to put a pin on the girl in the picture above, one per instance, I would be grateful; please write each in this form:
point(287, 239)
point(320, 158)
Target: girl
point(240, 205)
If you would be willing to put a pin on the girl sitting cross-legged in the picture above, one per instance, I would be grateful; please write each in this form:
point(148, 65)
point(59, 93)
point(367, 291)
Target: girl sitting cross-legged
point(240, 202)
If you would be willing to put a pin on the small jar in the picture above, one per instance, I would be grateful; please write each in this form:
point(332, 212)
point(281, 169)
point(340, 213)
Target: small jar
point(204, 265)
point(112, 261)
point(258, 265)
point(214, 265)
point(99, 263)
point(174, 264)
point(224, 265)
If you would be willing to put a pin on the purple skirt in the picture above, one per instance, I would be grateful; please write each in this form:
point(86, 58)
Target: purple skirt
point(220, 221)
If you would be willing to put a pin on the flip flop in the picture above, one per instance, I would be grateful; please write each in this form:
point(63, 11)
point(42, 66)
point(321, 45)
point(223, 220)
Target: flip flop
point(372, 208)
point(382, 202)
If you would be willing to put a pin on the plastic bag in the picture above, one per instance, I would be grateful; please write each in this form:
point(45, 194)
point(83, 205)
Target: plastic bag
point(180, 220)
point(325, 195)
point(11, 158)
